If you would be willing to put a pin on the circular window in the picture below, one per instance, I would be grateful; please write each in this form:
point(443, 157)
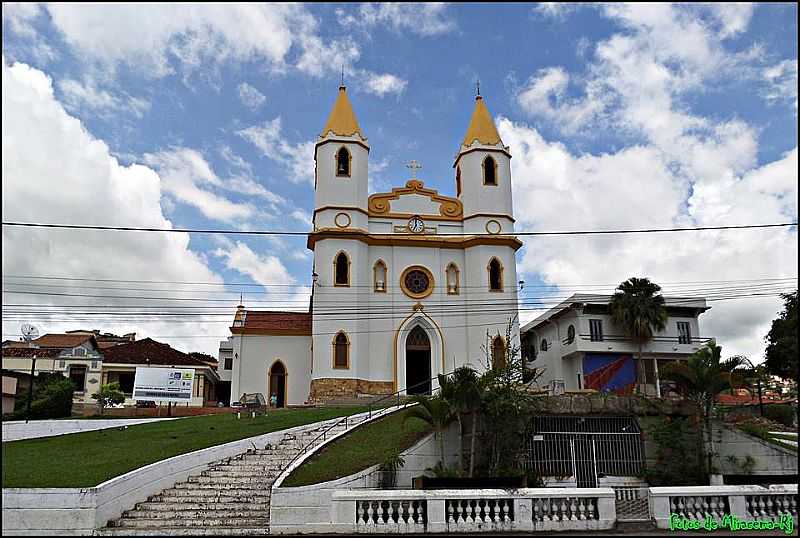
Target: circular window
point(571, 334)
point(342, 220)
point(416, 282)
point(493, 227)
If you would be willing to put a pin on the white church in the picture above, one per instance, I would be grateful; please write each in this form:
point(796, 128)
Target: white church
point(407, 284)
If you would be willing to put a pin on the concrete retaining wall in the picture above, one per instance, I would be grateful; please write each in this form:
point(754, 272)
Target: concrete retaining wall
point(733, 446)
point(307, 509)
point(17, 429)
point(78, 511)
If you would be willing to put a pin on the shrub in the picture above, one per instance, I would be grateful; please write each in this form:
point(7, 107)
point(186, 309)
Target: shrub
point(780, 413)
point(109, 394)
point(52, 398)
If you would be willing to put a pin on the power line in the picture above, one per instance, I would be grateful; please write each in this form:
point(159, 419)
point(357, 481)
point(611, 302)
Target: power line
point(291, 233)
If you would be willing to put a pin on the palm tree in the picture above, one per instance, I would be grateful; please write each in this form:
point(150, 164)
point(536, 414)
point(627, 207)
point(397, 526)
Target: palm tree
point(703, 376)
point(463, 391)
point(638, 308)
point(437, 412)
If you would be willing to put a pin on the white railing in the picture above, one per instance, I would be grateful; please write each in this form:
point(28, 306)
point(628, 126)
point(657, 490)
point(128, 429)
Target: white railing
point(722, 504)
point(484, 510)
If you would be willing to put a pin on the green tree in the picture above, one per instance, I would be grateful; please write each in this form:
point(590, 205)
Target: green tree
point(109, 394)
point(637, 307)
point(702, 377)
point(507, 404)
point(437, 412)
point(462, 389)
point(782, 351)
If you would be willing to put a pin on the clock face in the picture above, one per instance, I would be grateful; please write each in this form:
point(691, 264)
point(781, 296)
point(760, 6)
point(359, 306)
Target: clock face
point(415, 225)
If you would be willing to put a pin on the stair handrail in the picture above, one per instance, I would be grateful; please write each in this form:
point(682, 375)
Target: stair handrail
point(344, 419)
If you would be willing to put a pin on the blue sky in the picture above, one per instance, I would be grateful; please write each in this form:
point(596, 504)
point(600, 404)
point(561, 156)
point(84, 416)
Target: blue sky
point(616, 115)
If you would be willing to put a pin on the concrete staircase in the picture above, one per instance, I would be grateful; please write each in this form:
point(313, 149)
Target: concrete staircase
point(230, 498)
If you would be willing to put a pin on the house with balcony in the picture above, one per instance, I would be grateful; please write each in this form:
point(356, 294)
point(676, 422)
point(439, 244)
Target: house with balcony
point(578, 347)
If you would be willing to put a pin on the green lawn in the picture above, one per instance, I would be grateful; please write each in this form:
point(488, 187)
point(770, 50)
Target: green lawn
point(90, 458)
point(360, 449)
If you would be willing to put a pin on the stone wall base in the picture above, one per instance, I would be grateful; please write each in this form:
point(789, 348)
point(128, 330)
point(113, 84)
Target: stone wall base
point(334, 388)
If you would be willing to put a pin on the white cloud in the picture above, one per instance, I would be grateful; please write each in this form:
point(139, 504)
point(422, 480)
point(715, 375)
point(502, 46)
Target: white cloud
point(545, 95)
point(268, 271)
point(642, 186)
point(78, 95)
point(250, 96)
point(19, 16)
point(54, 170)
point(686, 170)
point(302, 216)
point(151, 39)
point(781, 80)
point(186, 175)
point(385, 84)
point(297, 158)
point(425, 19)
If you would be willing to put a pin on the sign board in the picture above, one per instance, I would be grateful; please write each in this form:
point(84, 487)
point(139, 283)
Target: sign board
point(163, 384)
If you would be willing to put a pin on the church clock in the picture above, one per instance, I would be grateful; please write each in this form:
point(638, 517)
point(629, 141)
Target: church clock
point(415, 225)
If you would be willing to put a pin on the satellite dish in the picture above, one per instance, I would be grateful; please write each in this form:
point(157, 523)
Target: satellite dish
point(29, 332)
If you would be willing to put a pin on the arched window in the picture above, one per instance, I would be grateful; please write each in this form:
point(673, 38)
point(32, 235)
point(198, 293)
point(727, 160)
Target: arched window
point(341, 269)
point(489, 171)
point(379, 276)
point(341, 351)
point(571, 334)
point(343, 162)
point(498, 352)
point(543, 346)
point(452, 279)
point(495, 275)
point(458, 181)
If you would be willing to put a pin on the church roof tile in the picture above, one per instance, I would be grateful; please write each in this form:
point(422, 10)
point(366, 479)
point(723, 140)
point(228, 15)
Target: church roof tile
point(342, 120)
point(481, 126)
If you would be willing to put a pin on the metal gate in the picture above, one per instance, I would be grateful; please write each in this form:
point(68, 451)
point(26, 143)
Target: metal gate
point(585, 448)
point(632, 503)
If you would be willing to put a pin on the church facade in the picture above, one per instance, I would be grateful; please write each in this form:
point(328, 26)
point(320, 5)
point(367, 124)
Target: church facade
point(408, 284)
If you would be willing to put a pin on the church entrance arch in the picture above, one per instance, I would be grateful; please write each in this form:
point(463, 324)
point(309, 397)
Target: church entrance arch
point(277, 383)
point(418, 354)
point(418, 362)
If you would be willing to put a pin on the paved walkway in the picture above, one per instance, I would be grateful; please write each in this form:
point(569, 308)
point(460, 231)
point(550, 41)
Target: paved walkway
point(17, 429)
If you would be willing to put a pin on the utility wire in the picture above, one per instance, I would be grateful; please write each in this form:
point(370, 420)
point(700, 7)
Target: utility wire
point(291, 233)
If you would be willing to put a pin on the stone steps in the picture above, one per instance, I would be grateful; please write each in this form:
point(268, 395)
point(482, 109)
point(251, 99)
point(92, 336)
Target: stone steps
point(158, 523)
point(223, 477)
point(212, 496)
point(201, 513)
point(243, 470)
point(201, 504)
point(231, 497)
point(184, 531)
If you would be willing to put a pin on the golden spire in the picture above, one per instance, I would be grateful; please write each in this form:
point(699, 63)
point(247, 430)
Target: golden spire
point(342, 120)
point(481, 126)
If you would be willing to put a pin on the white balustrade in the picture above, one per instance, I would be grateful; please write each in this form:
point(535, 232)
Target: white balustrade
point(722, 504)
point(487, 510)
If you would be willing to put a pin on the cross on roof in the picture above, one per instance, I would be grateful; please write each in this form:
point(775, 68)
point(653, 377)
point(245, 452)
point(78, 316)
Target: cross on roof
point(413, 166)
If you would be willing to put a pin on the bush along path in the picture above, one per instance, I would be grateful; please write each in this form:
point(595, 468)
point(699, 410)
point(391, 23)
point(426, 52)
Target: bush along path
point(230, 498)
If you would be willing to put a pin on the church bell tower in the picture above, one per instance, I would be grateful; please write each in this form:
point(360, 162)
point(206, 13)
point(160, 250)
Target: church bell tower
point(483, 175)
point(341, 155)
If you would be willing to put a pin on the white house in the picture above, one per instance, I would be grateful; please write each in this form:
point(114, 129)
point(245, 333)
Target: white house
point(407, 284)
point(579, 347)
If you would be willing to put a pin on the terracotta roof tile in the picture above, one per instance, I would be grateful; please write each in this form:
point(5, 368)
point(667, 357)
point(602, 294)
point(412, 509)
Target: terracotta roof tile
point(140, 351)
point(265, 321)
point(62, 341)
point(29, 351)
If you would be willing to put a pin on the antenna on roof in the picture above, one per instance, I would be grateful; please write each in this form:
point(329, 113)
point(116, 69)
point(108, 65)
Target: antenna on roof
point(342, 84)
point(478, 86)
